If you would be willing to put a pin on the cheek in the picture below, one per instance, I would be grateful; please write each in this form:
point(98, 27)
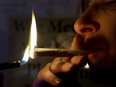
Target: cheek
point(107, 58)
point(111, 38)
point(108, 28)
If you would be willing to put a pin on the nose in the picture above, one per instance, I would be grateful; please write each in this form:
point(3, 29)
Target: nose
point(87, 23)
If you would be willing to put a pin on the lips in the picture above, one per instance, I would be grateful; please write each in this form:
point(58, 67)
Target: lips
point(100, 48)
point(96, 45)
point(97, 54)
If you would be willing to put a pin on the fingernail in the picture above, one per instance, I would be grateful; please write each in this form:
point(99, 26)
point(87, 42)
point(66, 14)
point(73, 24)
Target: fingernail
point(57, 82)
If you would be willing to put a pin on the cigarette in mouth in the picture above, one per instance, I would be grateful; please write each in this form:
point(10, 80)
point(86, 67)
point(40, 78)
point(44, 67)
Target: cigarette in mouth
point(54, 52)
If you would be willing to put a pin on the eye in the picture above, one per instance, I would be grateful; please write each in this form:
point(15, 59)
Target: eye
point(111, 5)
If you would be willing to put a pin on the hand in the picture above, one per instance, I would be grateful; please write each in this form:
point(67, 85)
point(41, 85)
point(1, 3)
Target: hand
point(62, 71)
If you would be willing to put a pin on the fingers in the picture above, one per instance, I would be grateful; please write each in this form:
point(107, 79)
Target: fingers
point(67, 64)
point(78, 61)
point(77, 43)
point(46, 76)
point(62, 65)
point(59, 65)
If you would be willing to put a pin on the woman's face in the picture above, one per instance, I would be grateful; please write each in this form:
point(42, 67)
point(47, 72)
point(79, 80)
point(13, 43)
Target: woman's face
point(97, 26)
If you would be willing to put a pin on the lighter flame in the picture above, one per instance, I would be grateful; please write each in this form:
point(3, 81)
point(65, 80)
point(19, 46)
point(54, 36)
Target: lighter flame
point(33, 36)
point(29, 52)
point(26, 56)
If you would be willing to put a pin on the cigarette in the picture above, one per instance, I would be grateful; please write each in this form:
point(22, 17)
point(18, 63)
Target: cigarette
point(54, 52)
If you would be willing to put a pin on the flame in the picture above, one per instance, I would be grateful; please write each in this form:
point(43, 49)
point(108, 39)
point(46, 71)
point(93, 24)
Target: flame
point(26, 56)
point(33, 36)
point(29, 52)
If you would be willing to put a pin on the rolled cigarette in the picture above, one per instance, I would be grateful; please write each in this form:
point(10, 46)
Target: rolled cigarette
point(53, 52)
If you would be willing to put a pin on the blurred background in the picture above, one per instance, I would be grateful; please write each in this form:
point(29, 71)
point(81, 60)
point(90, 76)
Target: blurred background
point(55, 20)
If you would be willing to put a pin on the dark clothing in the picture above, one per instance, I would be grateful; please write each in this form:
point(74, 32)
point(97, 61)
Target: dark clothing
point(104, 76)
